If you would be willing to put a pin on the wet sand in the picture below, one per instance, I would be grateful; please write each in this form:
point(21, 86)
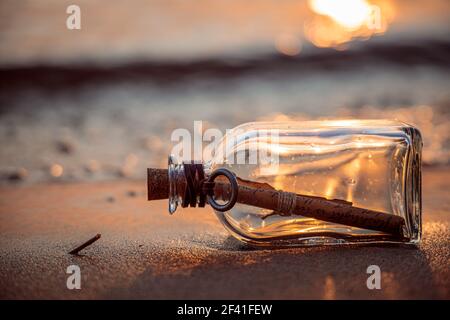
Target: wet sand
point(146, 253)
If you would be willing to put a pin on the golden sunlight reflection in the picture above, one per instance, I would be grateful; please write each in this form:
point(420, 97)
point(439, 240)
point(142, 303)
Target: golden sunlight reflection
point(330, 188)
point(344, 122)
point(338, 22)
point(329, 288)
point(56, 170)
point(288, 44)
point(279, 182)
point(351, 14)
point(349, 194)
point(353, 171)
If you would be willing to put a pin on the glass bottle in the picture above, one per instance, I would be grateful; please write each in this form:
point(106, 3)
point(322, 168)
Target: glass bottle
point(370, 164)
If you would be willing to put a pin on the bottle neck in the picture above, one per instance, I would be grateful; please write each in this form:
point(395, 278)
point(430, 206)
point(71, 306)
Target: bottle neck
point(177, 185)
point(184, 185)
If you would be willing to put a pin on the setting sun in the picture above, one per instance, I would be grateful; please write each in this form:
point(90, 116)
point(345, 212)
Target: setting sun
point(351, 14)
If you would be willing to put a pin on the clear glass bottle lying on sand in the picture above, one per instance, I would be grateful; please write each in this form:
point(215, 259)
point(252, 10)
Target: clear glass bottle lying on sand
point(319, 182)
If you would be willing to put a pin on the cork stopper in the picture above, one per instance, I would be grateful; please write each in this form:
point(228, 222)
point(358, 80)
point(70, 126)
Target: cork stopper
point(157, 184)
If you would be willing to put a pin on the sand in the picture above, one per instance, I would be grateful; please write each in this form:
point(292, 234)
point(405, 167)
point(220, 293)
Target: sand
point(146, 253)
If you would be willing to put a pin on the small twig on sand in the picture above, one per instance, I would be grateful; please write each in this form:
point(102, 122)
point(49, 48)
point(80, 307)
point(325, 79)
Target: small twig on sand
point(84, 245)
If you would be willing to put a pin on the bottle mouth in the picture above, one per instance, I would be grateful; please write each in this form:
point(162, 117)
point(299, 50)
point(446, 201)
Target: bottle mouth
point(173, 172)
point(188, 186)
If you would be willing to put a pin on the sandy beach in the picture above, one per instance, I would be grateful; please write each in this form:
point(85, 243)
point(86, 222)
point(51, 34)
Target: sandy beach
point(146, 253)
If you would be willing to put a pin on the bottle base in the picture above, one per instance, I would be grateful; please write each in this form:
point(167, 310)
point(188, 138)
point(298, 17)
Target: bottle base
point(323, 241)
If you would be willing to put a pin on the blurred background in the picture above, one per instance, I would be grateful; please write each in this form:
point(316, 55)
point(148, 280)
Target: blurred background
point(101, 102)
